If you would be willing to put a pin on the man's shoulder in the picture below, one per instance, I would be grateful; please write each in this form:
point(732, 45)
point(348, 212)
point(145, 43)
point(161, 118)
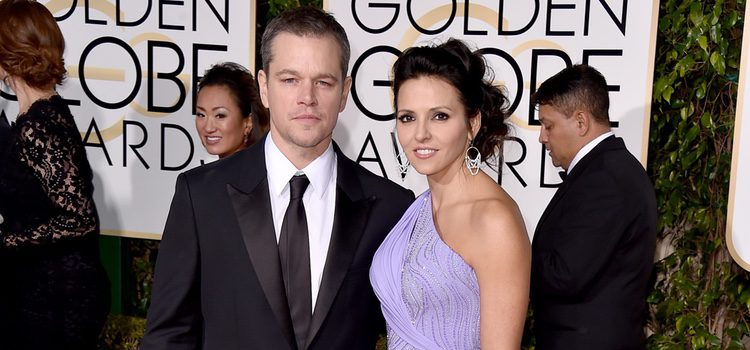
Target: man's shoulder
point(227, 168)
point(372, 183)
point(611, 155)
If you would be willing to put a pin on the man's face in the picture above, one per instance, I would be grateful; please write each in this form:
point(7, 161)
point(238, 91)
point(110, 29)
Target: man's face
point(560, 134)
point(304, 90)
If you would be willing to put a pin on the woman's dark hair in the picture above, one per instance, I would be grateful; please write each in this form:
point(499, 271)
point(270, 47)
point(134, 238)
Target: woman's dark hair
point(454, 63)
point(31, 44)
point(241, 85)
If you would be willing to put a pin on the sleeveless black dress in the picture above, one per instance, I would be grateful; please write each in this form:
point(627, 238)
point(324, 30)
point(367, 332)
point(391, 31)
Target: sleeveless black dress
point(54, 292)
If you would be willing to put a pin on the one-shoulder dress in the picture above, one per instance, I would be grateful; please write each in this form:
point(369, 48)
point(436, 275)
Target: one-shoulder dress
point(429, 295)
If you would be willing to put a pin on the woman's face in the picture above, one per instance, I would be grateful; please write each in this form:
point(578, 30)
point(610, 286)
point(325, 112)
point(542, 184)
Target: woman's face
point(219, 121)
point(431, 126)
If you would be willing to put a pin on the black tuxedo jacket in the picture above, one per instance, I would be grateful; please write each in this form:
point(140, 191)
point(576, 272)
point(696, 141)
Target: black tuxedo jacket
point(218, 282)
point(592, 254)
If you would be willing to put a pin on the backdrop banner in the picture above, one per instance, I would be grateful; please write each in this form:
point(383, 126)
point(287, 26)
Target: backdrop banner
point(738, 222)
point(525, 43)
point(132, 73)
point(132, 70)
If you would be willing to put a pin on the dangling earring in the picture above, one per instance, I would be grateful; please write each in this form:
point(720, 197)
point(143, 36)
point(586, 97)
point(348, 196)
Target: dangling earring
point(244, 138)
point(472, 163)
point(402, 163)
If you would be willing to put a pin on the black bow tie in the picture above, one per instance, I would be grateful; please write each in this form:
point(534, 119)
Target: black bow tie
point(563, 175)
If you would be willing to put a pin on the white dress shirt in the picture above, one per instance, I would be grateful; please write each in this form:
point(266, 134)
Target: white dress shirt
point(587, 148)
point(319, 200)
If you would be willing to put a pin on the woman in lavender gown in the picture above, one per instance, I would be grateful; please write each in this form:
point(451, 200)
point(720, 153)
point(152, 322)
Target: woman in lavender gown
point(454, 272)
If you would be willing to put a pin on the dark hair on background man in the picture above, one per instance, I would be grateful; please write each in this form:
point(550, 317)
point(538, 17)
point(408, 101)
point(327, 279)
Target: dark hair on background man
point(243, 90)
point(454, 63)
point(580, 87)
point(31, 44)
point(305, 21)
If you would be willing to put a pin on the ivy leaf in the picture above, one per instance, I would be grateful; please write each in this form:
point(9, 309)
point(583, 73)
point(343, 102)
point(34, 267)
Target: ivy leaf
point(667, 94)
point(696, 13)
point(732, 20)
point(717, 61)
point(706, 121)
point(700, 92)
point(692, 134)
point(703, 42)
point(660, 85)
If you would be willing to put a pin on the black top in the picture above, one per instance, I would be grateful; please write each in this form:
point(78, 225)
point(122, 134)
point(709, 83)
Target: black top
point(55, 292)
point(45, 179)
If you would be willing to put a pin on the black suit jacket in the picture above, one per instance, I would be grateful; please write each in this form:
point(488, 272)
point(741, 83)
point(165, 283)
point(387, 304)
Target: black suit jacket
point(218, 282)
point(592, 254)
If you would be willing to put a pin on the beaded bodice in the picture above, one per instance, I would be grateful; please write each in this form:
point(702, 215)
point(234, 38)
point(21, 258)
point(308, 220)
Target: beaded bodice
point(439, 289)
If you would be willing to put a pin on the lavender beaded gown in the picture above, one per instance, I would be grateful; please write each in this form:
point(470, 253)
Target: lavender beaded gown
point(428, 294)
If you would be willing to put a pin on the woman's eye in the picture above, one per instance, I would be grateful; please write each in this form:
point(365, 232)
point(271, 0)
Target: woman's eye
point(405, 118)
point(440, 116)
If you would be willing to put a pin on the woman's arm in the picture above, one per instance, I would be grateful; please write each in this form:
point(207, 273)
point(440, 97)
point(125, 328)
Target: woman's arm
point(50, 157)
point(501, 258)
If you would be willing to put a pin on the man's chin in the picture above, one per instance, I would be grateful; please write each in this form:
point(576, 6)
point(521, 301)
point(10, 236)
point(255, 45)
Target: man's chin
point(308, 141)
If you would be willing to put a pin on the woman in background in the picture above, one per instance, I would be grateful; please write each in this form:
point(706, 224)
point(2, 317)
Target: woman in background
point(454, 272)
point(55, 290)
point(229, 114)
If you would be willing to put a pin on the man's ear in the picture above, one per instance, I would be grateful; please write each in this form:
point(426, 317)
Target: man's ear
point(263, 87)
point(583, 122)
point(346, 87)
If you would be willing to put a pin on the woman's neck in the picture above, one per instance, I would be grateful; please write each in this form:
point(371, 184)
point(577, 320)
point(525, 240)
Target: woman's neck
point(27, 95)
point(450, 187)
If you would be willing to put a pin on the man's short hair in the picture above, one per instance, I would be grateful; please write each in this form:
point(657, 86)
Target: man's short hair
point(305, 21)
point(580, 87)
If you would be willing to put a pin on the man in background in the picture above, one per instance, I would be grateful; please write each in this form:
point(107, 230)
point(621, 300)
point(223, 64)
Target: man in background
point(593, 249)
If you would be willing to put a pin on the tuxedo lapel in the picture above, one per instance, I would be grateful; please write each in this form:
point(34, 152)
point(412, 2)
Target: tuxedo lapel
point(349, 222)
point(607, 144)
point(252, 206)
point(552, 203)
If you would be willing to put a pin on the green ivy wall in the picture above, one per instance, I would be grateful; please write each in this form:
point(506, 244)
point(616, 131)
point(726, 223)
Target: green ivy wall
point(701, 299)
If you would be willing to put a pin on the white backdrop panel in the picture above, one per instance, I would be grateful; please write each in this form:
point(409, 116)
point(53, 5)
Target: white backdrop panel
point(525, 42)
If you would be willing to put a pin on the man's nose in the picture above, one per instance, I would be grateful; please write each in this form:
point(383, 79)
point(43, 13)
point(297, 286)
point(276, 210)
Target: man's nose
point(307, 93)
point(542, 135)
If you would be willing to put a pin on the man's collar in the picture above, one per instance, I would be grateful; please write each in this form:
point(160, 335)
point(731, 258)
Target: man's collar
point(280, 169)
point(587, 148)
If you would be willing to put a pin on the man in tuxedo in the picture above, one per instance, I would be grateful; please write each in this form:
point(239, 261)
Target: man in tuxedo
point(593, 248)
point(270, 248)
